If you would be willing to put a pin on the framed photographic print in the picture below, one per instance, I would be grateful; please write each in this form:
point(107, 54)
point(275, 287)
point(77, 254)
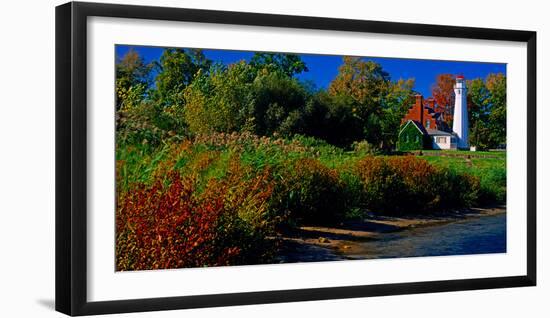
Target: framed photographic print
point(208, 158)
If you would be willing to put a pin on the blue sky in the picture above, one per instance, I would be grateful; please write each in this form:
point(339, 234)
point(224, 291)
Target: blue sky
point(323, 68)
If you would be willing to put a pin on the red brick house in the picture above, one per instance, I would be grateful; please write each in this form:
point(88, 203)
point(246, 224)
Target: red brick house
point(429, 125)
point(425, 115)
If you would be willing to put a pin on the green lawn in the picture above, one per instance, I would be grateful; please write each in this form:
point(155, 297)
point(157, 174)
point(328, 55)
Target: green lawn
point(459, 153)
point(491, 171)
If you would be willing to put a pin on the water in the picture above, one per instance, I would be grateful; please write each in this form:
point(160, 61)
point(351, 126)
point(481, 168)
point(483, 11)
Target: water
point(473, 236)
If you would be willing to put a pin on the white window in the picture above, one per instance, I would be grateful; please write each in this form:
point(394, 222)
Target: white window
point(441, 140)
point(427, 124)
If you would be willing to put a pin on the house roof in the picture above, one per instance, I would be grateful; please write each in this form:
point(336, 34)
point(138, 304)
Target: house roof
point(418, 126)
point(435, 132)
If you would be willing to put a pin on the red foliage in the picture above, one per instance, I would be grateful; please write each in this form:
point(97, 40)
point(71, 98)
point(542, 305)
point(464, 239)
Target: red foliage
point(174, 225)
point(161, 227)
point(443, 93)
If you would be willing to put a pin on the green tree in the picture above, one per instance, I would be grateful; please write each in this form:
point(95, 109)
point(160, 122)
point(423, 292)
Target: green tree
point(132, 79)
point(496, 84)
point(241, 97)
point(364, 81)
point(278, 105)
point(333, 118)
point(287, 64)
point(487, 111)
point(478, 100)
point(376, 102)
point(176, 69)
point(220, 101)
point(394, 107)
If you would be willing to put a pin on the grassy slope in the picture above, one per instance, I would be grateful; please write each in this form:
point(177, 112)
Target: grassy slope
point(491, 171)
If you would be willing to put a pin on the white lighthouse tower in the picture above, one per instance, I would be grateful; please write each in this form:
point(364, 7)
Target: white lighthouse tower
point(460, 119)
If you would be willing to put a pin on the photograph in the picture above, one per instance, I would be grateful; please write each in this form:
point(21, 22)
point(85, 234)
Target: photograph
point(228, 158)
point(241, 160)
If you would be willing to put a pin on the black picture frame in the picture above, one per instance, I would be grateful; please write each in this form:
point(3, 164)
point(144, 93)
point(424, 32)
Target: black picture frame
point(71, 157)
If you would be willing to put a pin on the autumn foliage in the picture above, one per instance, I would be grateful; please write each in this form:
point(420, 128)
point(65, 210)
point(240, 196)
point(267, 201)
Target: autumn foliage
point(443, 93)
point(174, 225)
point(412, 185)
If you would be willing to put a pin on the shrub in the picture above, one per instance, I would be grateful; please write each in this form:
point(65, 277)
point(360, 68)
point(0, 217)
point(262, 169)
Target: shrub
point(457, 190)
point(421, 182)
point(353, 187)
point(247, 194)
point(165, 227)
point(249, 141)
point(403, 184)
point(309, 192)
point(135, 126)
point(383, 187)
point(248, 219)
point(173, 225)
point(363, 147)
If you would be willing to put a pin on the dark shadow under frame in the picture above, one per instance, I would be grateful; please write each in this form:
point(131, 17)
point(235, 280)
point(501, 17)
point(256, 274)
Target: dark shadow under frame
point(71, 157)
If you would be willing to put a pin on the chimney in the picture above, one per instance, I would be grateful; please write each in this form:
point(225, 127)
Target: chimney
point(419, 108)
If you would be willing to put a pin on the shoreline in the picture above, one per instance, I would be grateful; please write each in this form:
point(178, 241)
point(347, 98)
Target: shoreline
point(344, 242)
